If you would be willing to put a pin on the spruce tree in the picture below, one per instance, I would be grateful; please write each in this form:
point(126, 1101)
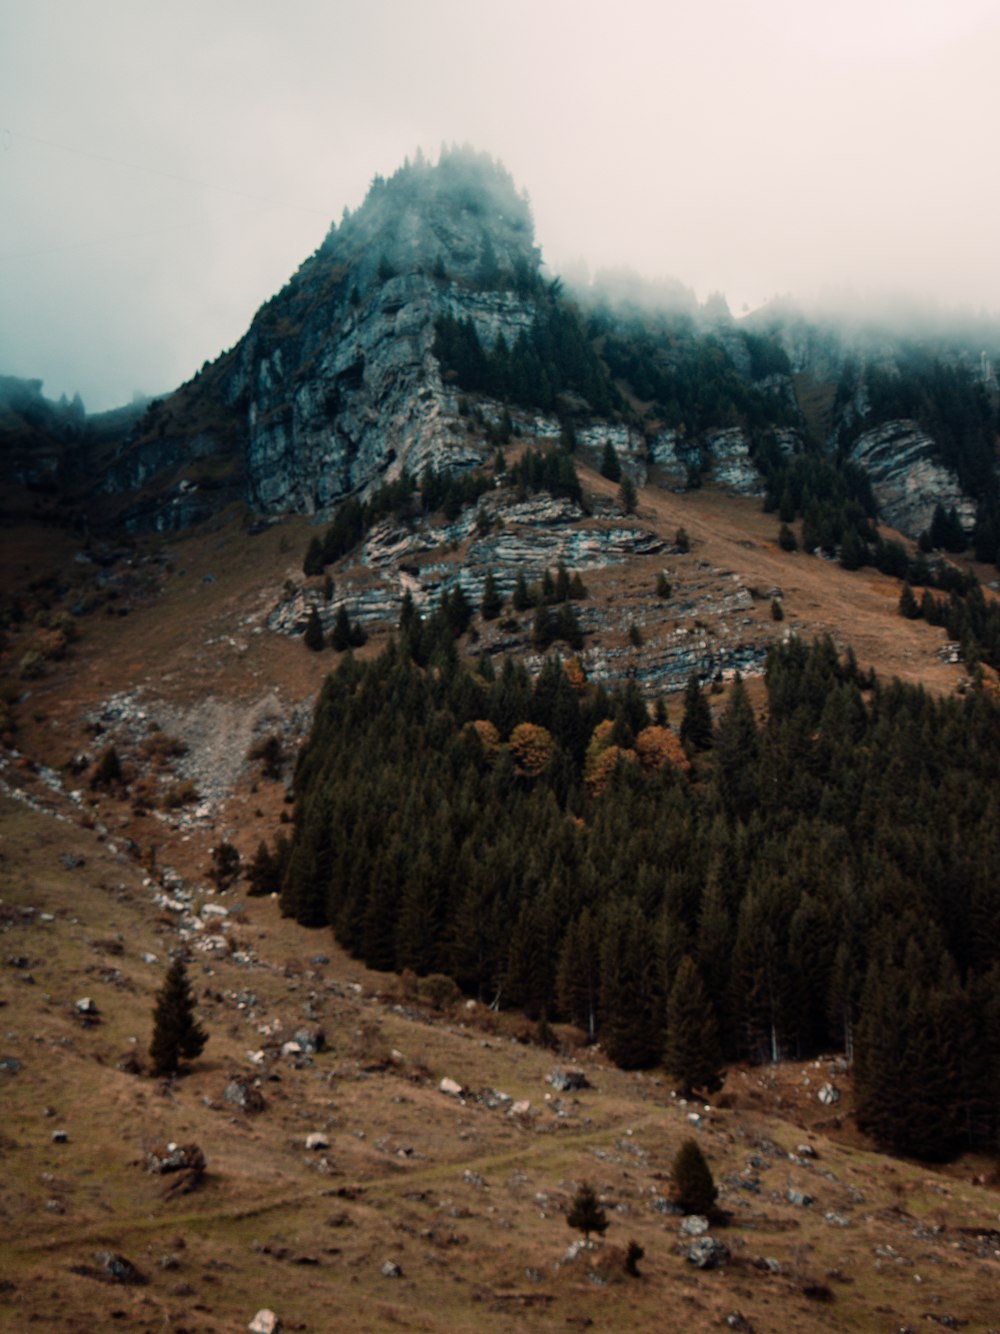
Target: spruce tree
point(693, 1055)
point(908, 605)
point(492, 602)
point(176, 1034)
point(610, 467)
point(694, 1189)
point(314, 631)
point(696, 724)
point(628, 495)
point(586, 1213)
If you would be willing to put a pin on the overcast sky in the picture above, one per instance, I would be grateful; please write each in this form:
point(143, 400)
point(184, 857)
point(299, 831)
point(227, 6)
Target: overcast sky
point(165, 165)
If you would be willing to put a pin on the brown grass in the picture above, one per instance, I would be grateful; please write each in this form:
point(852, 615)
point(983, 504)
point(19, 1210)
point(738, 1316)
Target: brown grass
point(307, 1233)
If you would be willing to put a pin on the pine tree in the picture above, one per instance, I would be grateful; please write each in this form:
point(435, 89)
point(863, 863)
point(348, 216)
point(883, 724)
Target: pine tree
point(492, 602)
point(176, 1034)
point(627, 494)
point(696, 724)
point(340, 637)
point(694, 1189)
point(610, 467)
point(693, 1055)
point(908, 605)
point(586, 1213)
point(313, 637)
point(313, 563)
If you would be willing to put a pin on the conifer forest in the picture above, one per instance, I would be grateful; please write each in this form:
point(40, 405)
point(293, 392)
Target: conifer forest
point(819, 878)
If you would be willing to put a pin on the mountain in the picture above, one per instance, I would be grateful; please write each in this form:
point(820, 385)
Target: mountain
point(433, 293)
point(623, 664)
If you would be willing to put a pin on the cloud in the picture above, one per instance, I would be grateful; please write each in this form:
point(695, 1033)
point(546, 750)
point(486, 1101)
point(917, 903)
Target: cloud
point(166, 168)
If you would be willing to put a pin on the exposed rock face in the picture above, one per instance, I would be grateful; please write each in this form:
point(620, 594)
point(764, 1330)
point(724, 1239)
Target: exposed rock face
point(337, 375)
point(907, 479)
point(336, 388)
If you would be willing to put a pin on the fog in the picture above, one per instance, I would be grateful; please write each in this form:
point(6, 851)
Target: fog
point(165, 168)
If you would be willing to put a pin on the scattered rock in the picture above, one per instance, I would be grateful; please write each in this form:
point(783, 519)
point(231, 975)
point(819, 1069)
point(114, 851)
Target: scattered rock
point(798, 1197)
point(708, 1253)
point(694, 1225)
point(310, 1040)
point(60, 1137)
point(265, 1322)
point(390, 1269)
point(450, 1087)
point(116, 1269)
point(567, 1081)
point(828, 1095)
point(521, 1108)
point(241, 1093)
point(85, 1006)
point(806, 1151)
point(10, 1065)
point(317, 1140)
point(185, 1162)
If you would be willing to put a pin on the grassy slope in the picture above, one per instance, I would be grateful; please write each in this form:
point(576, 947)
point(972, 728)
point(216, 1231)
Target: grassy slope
point(265, 1229)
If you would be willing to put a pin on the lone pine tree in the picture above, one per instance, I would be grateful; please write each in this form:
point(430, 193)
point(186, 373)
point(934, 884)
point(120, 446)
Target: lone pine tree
point(694, 1189)
point(176, 1033)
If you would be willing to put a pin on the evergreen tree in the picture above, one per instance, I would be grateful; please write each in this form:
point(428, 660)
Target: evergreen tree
point(610, 467)
point(736, 750)
point(313, 637)
point(176, 1034)
point(492, 602)
point(262, 872)
point(787, 539)
point(908, 605)
point(693, 1187)
point(340, 636)
point(314, 562)
point(108, 772)
point(628, 495)
point(696, 724)
point(693, 1055)
point(586, 1213)
point(631, 999)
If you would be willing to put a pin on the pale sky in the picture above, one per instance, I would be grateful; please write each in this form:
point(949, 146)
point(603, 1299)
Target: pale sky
point(166, 165)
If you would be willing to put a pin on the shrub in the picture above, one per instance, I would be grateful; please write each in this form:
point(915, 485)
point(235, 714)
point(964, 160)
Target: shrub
point(585, 1212)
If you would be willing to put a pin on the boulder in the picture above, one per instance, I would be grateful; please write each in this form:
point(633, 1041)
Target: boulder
point(708, 1253)
point(694, 1225)
point(828, 1095)
point(241, 1093)
point(265, 1322)
point(566, 1081)
point(799, 1197)
point(184, 1162)
point(450, 1087)
point(116, 1269)
point(316, 1141)
point(310, 1040)
point(390, 1269)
